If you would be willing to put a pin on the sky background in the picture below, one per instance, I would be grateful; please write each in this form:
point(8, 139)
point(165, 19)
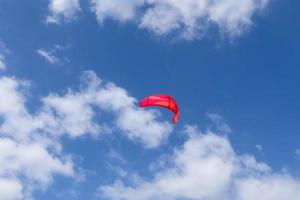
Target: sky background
point(235, 79)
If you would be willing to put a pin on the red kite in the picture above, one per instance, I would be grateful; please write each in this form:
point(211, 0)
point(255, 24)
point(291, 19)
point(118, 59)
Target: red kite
point(162, 100)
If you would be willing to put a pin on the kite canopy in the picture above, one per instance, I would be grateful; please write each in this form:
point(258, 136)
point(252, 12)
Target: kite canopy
point(162, 100)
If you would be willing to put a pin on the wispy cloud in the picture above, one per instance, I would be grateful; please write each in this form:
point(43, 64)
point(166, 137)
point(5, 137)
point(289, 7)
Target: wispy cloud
point(63, 10)
point(2, 63)
point(3, 52)
point(48, 56)
point(260, 147)
point(190, 19)
point(51, 55)
point(219, 123)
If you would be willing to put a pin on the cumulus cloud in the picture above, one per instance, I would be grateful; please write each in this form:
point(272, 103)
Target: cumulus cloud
point(32, 160)
point(190, 18)
point(28, 158)
point(76, 108)
point(16, 121)
point(73, 113)
point(118, 10)
point(63, 10)
point(30, 149)
point(268, 187)
point(206, 167)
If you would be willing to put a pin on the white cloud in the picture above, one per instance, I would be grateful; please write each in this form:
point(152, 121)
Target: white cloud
point(65, 10)
point(28, 158)
point(10, 189)
point(72, 113)
point(30, 151)
point(17, 122)
point(134, 122)
point(76, 109)
point(196, 166)
point(48, 56)
point(32, 160)
point(269, 187)
point(206, 167)
point(119, 10)
point(190, 18)
point(142, 125)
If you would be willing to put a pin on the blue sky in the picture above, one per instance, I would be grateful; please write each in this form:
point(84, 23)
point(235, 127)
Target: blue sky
point(71, 75)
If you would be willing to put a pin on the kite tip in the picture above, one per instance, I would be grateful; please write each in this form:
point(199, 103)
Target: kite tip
point(176, 118)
